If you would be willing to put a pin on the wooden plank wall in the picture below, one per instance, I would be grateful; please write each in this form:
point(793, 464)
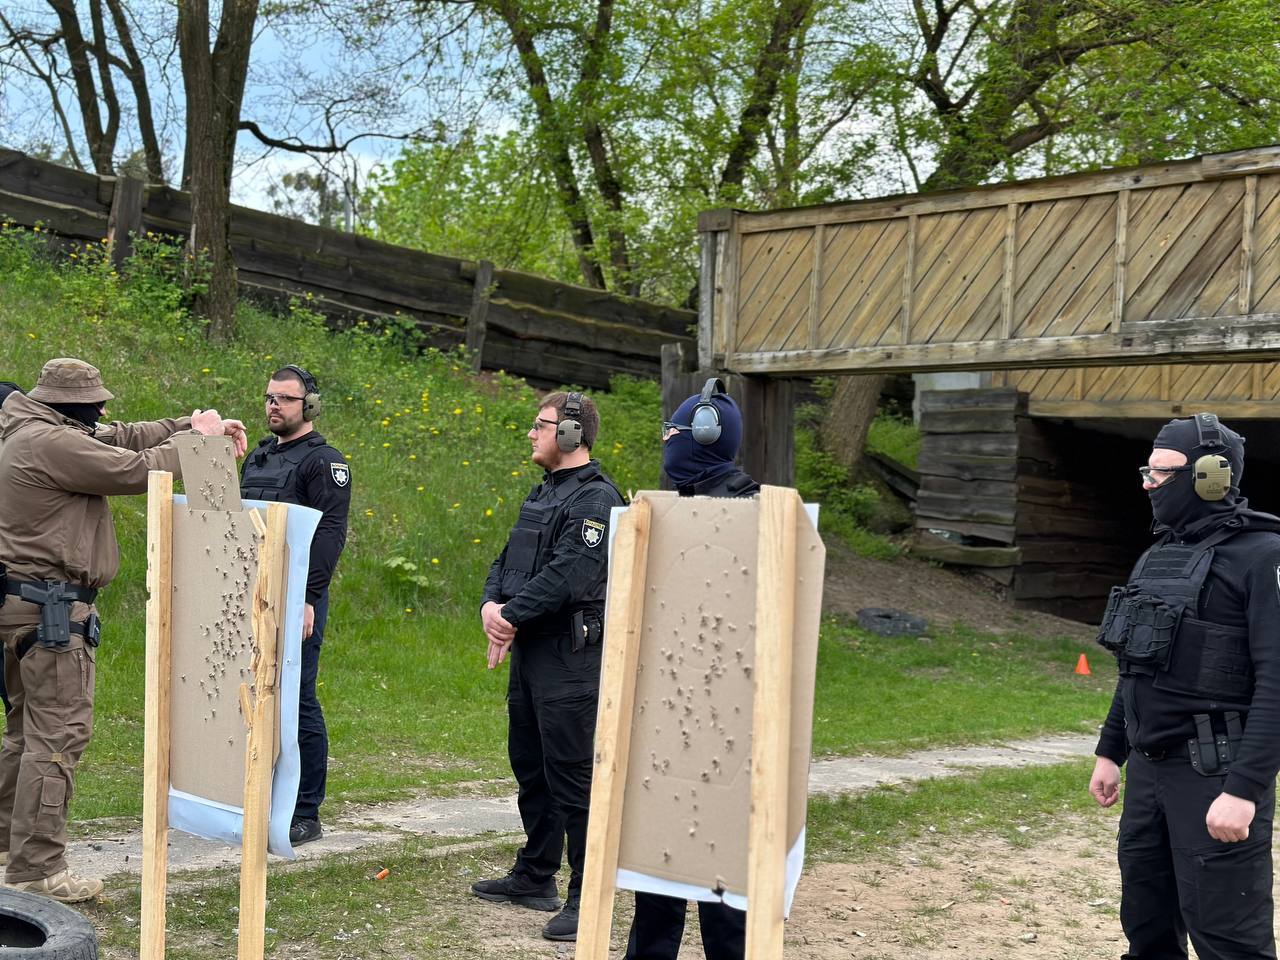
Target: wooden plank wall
point(1239, 390)
point(544, 330)
point(1018, 500)
point(1064, 269)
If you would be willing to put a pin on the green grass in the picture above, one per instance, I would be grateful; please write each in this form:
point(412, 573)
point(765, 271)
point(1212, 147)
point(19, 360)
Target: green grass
point(897, 694)
point(439, 467)
point(896, 437)
point(1019, 805)
point(333, 908)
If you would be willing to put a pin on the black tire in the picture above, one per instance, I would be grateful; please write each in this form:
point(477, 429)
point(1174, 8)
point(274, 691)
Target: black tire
point(33, 927)
point(888, 622)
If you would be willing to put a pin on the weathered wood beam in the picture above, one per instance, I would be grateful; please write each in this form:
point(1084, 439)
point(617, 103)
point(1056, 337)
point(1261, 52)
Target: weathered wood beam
point(1202, 340)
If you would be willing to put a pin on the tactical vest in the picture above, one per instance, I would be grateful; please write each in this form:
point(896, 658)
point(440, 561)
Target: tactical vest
point(1151, 625)
point(532, 541)
point(270, 475)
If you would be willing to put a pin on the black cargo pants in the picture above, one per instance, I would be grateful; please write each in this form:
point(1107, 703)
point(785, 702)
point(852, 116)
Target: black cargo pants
point(1177, 880)
point(552, 694)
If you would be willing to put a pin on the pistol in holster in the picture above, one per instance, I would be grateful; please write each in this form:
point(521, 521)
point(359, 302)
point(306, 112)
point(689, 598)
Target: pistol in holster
point(54, 600)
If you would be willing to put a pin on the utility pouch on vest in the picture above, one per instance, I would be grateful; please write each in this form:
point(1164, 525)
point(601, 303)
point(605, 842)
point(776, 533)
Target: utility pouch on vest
point(92, 631)
point(55, 612)
point(1112, 632)
point(1152, 626)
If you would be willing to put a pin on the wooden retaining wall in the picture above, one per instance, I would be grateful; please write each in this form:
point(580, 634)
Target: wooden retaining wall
point(1028, 503)
point(544, 330)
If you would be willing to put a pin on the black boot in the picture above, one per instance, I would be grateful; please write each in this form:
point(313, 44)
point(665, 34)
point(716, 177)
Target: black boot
point(519, 888)
point(564, 925)
point(304, 831)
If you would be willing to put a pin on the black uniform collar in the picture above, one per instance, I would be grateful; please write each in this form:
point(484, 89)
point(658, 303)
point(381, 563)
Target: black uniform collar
point(587, 471)
point(312, 438)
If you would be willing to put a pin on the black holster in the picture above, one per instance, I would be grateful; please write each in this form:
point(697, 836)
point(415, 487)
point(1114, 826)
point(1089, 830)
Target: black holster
point(1212, 752)
point(54, 600)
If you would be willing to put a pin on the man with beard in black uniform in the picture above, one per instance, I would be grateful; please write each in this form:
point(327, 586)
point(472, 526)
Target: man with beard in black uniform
point(544, 601)
point(296, 465)
point(699, 445)
point(1196, 711)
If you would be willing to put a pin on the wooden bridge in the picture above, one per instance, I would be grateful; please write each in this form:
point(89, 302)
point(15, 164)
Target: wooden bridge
point(1124, 295)
point(1170, 263)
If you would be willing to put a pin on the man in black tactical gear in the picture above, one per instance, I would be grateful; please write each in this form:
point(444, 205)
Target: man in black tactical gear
point(296, 465)
point(699, 444)
point(544, 602)
point(1196, 711)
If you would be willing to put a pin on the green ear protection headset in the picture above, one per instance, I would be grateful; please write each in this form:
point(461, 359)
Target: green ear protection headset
point(311, 398)
point(1211, 472)
point(569, 426)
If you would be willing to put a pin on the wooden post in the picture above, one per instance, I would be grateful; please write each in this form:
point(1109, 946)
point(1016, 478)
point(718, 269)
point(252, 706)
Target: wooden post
point(627, 569)
point(815, 285)
point(1009, 279)
point(268, 596)
point(770, 722)
point(1122, 259)
point(124, 219)
point(155, 764)
point(1246, 243)
point(908, 282)
point(768, 428)
point(478, 318)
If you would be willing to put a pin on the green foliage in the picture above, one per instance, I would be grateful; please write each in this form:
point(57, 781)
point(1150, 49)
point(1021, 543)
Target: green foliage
point(847, 507)
point(896, 437)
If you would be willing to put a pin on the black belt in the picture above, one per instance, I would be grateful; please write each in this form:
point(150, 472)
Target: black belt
point(79, 629)
point(1174, 751)
point(83, 594)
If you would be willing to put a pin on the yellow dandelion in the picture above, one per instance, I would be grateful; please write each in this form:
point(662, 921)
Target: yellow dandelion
point(413, 456)
point(476, 540)
point(347, 456)
point(457, 411)
point(466, 463)
point(378, 402)
point(421, 488)
point(455, 506)
point(408, 609)
point(488, 511)
point(368, 513)
point(435, 561)
point(515, 473)
point(385, 445)
point(205, 370)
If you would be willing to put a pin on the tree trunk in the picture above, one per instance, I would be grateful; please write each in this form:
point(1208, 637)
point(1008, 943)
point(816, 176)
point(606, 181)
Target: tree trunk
point(214, 82)
point(849, 414)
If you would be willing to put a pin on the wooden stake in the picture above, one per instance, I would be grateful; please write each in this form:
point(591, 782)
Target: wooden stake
point(771, 722)
point(627, 567)
point(155, 764)
point(268, 598)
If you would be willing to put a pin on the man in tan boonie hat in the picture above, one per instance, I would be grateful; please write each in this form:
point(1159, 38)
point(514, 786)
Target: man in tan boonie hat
point(67, 380)
point(58, 465)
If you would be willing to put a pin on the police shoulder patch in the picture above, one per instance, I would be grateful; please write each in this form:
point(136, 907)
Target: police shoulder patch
point(340, 472)
point(592, 532)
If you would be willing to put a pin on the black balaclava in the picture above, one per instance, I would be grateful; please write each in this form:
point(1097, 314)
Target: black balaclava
point(7, 387)
point(86, 413)
point(1175, 503)
point(688, 462)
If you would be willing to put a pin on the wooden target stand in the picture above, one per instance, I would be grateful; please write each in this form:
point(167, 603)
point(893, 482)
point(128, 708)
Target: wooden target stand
point(259, 713)
point(770, 754)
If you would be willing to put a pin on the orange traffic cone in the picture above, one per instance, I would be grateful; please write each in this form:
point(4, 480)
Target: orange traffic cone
point(1082, 666)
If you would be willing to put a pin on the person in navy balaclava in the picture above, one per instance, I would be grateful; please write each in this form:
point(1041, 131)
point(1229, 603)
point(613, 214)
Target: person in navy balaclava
point(699, 459)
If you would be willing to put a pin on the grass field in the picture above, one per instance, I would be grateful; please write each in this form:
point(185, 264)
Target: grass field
point(439, 466)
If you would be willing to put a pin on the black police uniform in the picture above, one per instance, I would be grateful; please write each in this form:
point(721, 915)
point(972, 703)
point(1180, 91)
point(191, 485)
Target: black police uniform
point(309, 472)
point(550, 579)
point(1197, 713)
point(658, 925)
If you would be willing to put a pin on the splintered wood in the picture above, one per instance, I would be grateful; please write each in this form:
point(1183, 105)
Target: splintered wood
point(215, 562)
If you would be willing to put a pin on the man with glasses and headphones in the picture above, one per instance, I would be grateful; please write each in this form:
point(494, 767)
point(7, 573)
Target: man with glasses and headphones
point(296, 465)
point(1196, 712)
point(544, 603)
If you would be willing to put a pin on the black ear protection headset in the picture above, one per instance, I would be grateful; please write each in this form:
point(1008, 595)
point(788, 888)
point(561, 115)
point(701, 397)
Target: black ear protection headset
point(1211, 472)
point(569, 426)
point(311, 397)
point(705, 422)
